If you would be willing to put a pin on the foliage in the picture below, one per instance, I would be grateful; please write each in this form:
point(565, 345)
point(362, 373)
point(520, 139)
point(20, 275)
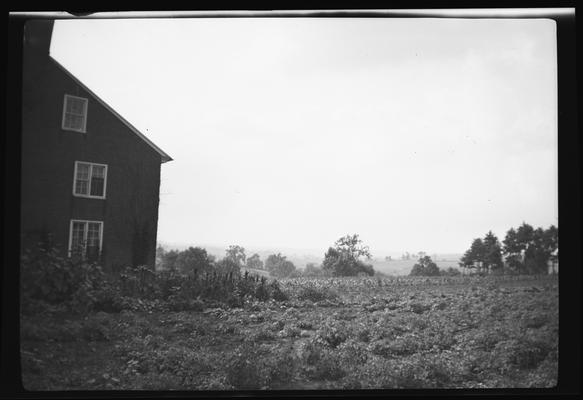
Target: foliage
point(227, 266)
point(344, 258)
point(425, 267)
point(236, 254)
point(254, 262)
point(451, 271)
point(411, 332)
point(255, 367)
point(314, 293)
point(312, 270)
point(525, 250)
point(352, 246)
point(49, 282)
point(167, 259)
point(492, 253)
point(528, 250)
point(279, 266)
point(475, 254)
point(193, 261)
point(46, 276)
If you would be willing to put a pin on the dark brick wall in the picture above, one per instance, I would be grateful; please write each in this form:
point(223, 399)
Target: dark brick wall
point(130, 210)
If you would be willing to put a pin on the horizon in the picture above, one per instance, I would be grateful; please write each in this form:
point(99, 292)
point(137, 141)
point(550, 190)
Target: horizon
point(297, 251)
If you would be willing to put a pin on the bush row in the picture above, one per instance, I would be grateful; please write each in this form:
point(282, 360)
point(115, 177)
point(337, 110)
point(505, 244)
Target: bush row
point(49, 280)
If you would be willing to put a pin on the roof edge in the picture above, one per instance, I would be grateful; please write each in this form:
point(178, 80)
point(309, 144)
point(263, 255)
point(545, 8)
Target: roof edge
point(165, 157)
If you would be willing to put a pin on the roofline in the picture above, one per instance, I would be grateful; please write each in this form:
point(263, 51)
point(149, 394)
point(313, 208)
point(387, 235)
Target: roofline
point(165, 157)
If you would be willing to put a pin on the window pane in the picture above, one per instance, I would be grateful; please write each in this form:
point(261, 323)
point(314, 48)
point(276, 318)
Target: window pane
point(93, 241)
point(75, 106)
point(82, 171)
point(97, 185)
point(81, 187)
point(98, 171)
point(77, 242)
point(93, 234)
point(75, 113)
point(68, 104)
point(76, 122)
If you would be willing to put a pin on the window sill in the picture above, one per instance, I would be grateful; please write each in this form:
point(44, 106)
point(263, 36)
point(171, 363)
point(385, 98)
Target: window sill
point(86, 196)
point(73, 130)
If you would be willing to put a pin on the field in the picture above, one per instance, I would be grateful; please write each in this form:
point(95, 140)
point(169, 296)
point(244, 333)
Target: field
point(403, 267)
point(332, 333)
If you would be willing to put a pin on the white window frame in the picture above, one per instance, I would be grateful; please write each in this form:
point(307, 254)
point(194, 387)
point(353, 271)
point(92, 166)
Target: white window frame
point(85, 229)
point(86, 102)
point(88, 195)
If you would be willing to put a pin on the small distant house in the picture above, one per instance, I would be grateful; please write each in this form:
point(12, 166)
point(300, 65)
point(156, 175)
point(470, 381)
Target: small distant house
point(90, 180)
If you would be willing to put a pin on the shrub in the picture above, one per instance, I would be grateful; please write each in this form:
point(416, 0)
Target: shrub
point(314, 293)
point(49, 281)
point(331, 335)
point(522, 354)
point(425, 267)
point(451, 271)
point(276, 293)
point(50, 278)
point(255, 367)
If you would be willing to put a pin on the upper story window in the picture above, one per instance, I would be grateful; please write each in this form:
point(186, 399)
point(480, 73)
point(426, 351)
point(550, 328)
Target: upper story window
point(90, 180)
point(75, 113)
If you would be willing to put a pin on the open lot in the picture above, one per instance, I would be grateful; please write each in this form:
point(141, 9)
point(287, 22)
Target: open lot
point(332, 333)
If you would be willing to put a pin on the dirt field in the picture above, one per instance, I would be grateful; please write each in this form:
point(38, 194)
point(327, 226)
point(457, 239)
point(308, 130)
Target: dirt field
point(331, 334)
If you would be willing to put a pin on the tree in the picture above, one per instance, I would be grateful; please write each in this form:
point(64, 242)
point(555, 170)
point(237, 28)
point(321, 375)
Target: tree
point(492, 252)
point(528, 250)
point(540, 251)
point(352, 246)
point(344, 258)
point(254, 262)
point(476, 254)
point(169, 259)
point(279, 266)
point(551, 239)
point(425, 267)
point(236, 254)
point(193, 261)
point(313, 270)
point(512, 251)
point(525, 236)
point(227, 265)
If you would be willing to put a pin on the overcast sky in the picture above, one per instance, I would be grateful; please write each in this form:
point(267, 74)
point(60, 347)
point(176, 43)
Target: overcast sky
point(417, 134)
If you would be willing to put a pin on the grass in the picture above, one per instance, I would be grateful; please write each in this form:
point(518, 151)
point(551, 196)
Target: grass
point(330, 334)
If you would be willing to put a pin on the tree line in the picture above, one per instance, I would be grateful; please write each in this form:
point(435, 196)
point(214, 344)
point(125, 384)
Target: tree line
point(345, 258)
point(524, 250)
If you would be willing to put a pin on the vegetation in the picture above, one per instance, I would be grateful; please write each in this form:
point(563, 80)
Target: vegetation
point(344, 258)
point(279, 266)
point(48, 281)
point(254, 262)
point(425, 267)
point(525, 250)
point(197, 323)
point(330, 333)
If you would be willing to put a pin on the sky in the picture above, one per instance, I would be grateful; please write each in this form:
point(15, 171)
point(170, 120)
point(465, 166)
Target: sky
point(417, 134)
